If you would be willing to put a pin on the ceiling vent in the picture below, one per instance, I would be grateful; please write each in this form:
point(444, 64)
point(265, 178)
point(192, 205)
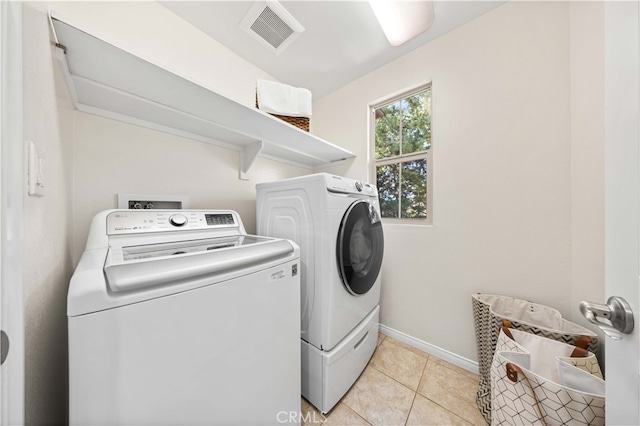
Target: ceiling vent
point(271, 24)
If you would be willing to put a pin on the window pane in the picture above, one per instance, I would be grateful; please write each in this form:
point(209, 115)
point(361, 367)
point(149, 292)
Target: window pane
point(388, 189)
point(416, 122)
point(414, 189)
point(388, 130)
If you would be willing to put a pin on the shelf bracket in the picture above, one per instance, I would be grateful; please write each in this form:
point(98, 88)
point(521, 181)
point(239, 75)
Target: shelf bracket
point(60, 56)
point(248, 156)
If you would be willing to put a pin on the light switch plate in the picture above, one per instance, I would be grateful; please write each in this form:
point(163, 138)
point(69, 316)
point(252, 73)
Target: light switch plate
point(35, 170)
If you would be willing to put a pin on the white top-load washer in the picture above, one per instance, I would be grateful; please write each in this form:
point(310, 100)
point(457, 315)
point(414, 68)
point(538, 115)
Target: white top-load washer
point(180, 317)
point(336, 222)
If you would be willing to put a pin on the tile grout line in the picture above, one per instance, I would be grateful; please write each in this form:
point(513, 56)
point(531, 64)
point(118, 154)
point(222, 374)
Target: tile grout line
point(388, 376)
point(352, 410)
point(395, 343)
point(358, 414)
point(470, 422)
point(446, 364)
point(342, 400)
point(447, 410)
point(395, 380)
point(427, 357)
point(415, 394)
point(442, 406)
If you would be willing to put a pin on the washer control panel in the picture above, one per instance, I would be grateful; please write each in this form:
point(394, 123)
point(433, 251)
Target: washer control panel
point(143, 221)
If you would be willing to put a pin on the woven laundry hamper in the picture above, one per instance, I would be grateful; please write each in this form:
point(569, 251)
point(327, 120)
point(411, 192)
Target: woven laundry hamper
point(301, 123)
point(491, 311)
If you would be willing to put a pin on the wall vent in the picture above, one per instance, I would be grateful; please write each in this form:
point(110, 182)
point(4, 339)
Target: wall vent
point(271, 24)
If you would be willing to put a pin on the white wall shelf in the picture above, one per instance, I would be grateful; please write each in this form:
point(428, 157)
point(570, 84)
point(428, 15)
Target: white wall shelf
point(108, 81)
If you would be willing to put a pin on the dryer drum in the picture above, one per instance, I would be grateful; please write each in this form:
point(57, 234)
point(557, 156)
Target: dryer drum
point(360, 247)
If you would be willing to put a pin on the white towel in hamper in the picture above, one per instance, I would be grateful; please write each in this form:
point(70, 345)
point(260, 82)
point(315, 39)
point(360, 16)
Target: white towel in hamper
point(282, 99)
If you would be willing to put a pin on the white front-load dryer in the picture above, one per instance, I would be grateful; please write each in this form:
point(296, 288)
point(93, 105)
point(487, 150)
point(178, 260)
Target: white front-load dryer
point(336, 222)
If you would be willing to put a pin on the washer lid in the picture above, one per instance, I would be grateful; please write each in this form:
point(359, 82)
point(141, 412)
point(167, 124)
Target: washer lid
point(142, 266)
point(152, 251)
point(99, 285)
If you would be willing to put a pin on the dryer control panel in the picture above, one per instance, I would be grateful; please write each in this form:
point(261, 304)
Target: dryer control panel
point(344, 185)
point(142, 221)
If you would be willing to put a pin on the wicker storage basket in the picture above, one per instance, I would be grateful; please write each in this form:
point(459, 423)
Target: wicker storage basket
point(300, 122)
point(489, 313)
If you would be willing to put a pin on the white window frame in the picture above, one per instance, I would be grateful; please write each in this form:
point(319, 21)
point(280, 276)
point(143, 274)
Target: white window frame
point(428, 154)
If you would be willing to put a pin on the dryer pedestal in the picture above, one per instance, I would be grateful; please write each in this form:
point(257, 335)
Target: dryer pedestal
point(328, 375)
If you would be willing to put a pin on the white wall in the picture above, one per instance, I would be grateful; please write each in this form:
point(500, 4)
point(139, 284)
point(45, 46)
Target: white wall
point(502, 179)
point(90, 159)
point(511, 193)
point(587, 154)
point(158, 163)
point(48, 122)
point(152, 32)
point(111, 157)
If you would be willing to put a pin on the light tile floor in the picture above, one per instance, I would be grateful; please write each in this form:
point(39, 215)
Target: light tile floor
point(404, 386)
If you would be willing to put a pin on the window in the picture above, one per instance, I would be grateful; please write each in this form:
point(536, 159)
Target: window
point(401, 140)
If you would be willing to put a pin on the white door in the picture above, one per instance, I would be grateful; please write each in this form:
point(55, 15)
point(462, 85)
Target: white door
point(11, 193)
point(622, 204)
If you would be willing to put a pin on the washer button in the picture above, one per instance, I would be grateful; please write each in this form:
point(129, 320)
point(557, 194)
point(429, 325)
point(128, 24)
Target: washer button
point(359, 186)
point(178, 220)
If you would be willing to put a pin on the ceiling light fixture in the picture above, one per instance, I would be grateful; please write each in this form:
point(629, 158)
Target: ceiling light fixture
point(402, 20)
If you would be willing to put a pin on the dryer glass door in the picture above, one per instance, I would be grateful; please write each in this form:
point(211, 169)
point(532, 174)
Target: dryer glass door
point(360, 247)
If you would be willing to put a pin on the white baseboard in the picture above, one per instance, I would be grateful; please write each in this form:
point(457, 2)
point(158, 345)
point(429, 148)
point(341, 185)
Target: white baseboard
point(443, 354)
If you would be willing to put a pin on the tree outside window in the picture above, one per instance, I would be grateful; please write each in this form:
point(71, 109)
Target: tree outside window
point(402, 133)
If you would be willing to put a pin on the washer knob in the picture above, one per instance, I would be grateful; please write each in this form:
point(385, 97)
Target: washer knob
point(359, 186)
point(178, 220)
